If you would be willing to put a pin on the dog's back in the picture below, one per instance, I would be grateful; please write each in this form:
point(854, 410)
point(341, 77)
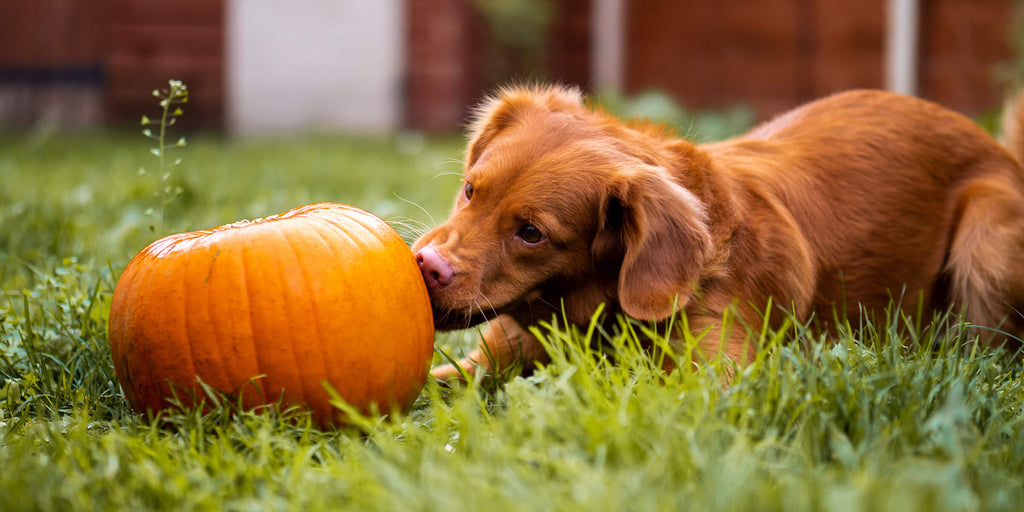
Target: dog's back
point(895, 195)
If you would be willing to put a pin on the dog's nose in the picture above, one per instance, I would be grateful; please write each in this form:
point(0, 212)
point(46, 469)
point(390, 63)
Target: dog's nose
point(436, 271)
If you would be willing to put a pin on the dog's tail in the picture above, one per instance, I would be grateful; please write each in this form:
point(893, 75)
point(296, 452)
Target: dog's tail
point(1013, 126)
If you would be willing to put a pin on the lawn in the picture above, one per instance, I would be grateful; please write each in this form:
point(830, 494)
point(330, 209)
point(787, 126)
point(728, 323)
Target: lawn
point(871, 419)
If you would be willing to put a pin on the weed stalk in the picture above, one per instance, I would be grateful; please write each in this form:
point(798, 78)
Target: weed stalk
point(175, 95)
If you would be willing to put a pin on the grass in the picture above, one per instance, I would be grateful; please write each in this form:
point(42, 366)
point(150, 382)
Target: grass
point(872, 419)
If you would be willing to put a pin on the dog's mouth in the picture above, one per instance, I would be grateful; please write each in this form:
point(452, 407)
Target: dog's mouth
point(451, 320)
point(450, 317)
point(451, 313)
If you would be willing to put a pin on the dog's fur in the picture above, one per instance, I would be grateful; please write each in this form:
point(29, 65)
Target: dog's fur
point(834, 208)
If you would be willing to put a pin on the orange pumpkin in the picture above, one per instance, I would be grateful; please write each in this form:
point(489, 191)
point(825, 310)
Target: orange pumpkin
point(276, 308)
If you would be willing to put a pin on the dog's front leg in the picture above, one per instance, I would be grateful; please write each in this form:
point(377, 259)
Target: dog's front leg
point(504, 343)
point(717, 335)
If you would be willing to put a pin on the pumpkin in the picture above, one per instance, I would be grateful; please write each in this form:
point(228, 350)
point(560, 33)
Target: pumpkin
point(275, 309)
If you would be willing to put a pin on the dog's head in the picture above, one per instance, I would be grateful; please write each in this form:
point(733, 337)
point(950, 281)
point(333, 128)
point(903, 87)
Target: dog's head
point(561, 202)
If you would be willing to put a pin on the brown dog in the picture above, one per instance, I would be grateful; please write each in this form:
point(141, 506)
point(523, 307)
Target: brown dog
point(845, 202)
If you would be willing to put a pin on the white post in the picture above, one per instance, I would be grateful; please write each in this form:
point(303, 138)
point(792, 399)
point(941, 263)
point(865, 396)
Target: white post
point(901, 46)
point(607, 34)
point(314, 65)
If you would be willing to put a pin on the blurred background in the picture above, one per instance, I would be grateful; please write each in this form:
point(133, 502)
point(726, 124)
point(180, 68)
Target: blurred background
point(272, 67)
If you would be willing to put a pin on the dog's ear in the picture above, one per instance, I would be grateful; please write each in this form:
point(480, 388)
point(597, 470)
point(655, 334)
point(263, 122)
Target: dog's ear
point(498, 112)
point(490, 118)
point(660, 229)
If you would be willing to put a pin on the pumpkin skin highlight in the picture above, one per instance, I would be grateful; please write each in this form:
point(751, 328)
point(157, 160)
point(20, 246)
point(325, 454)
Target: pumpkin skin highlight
point(275, 309)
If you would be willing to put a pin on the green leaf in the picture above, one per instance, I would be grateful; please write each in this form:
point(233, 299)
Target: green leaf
point(145, 120)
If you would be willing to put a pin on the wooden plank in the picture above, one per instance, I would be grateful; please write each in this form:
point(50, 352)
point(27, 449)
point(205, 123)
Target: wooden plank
point(150, 42)
point(962, 43)
point(50, 33)
point(159, 39)
point(174, 12)
point(850, 46)
point(708, 53)
point(712, 54)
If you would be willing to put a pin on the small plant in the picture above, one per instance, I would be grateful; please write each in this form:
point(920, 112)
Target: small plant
point(171, 99)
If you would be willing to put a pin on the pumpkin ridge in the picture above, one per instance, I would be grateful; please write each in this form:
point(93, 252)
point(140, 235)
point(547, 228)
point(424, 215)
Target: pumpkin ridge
point(330, 370)
point(353, 217)
point(281, 274)
point(193, 385)
point(234, 321)
point(215, 332)
point(373, 234)
point(126, 335)
point(145, 368)
point(242, 262)
point(190, 298)
point(343, 227)
point(313, 310)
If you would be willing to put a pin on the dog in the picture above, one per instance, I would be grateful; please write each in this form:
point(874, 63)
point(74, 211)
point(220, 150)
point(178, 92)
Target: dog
point(827, 212)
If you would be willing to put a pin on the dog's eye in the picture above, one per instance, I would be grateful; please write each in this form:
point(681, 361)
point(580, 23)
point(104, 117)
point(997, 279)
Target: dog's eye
point(469, 191)
point(530, 234)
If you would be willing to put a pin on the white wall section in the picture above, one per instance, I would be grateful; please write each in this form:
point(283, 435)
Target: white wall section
point(314, 64)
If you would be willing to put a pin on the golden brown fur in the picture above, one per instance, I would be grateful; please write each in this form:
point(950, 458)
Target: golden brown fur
point(845, 202)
